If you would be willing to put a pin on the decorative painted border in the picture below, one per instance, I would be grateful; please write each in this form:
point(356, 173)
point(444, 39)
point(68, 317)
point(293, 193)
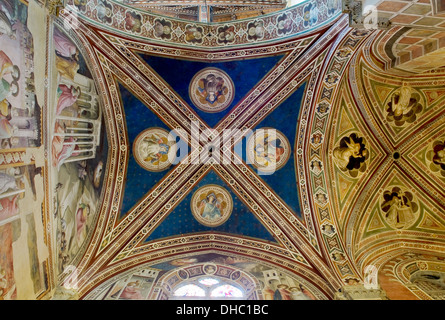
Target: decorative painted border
point(142, 24)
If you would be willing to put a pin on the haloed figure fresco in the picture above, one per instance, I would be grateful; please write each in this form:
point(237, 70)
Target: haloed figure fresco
point(268, 149)
point(211, 205)
point(78, 147)
point(351, 154)
point(20, 138)
point(154, 149)
point(211, 90)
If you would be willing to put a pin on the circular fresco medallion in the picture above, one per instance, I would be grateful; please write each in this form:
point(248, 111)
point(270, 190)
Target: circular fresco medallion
point(154, 149)
point(211, 90)
point(209, 269)
point(268, 149)
point(211, 205)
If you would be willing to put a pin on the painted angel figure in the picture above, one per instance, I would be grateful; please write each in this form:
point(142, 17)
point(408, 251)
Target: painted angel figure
point(269, 152)
point(343, 155)
point(153, 148)
point(401, 102)
point(210, 207)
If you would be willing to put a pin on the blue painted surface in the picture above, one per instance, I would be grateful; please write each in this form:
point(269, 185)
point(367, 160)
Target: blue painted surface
point(138, 180)
point(181, 220)
point(245, 74)
point(138, 118)
point(284, 118)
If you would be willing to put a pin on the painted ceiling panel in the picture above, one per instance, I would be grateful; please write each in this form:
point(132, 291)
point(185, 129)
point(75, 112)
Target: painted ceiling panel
point(283, 181)
point(182, 221)
point(245, 74)
point(138, 180)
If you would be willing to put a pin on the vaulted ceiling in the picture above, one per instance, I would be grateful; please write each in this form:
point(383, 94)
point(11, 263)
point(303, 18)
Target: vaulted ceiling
point(319, 86)
point(358, 179)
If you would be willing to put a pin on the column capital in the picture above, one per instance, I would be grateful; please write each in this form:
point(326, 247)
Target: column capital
point(359, 292)
point(62, 293)
point(54, 6)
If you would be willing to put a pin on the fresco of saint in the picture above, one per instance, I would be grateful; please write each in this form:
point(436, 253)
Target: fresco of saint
point(268, 150)
point(398, 208)
point(154, 149)
point(211, 205)
point(211, 90)
point(351, 154)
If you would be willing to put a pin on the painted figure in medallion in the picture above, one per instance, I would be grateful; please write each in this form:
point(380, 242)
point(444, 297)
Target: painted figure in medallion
point(154, 149)
point(399, 208)
point(284, 23)
point(211, 90)
point(436, 157)
point(163, 29)
point(351, 154)
point(310, 15)
point(211, 205)
point(104, 11)
point(194, 34)
point(133, 21)
point(255, 30)
point(268, 149)
point(226, 34)
point(403, 106)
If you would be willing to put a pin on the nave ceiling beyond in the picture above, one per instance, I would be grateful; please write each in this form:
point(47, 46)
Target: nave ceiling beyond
point(333, 158)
